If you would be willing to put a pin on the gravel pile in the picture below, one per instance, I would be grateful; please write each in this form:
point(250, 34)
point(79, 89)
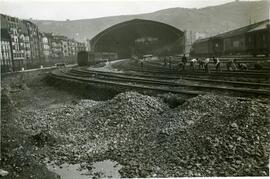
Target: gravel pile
point(89, 128)
point(217, 136)
point(206, 136)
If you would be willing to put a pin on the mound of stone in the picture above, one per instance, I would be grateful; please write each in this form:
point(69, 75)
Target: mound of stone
point(218, 136)
point(91, 128)
point(208, 135)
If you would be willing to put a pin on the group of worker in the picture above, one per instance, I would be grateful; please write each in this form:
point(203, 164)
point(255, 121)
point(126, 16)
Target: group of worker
point(203, 64)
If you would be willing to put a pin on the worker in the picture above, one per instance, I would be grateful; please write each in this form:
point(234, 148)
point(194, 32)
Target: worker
point(165, 61)
point(141, 63)
point(180, 66)
point(242, 66)
point(231, 65)
point(184, 61)
point(192, 64)
point(216, 63)
point(200, 62)
point(206, 63)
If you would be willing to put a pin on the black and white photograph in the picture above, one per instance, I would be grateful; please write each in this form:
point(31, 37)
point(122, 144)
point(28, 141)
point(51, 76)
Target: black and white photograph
point(96, 89)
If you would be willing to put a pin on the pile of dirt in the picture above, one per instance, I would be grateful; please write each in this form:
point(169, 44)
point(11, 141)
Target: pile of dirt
point(206, 136)
point(91, 128)
point(217, 136)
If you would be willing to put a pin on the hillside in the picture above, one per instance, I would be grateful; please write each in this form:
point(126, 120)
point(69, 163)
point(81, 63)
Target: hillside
point(209, 20)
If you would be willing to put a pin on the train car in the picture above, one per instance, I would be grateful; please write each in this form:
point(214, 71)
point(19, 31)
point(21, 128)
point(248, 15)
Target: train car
point(234, 42)
point(202, 47)
point(207, 47)
point(258, 40)
point(249, 40)
point(218, 46)
point(85, 58)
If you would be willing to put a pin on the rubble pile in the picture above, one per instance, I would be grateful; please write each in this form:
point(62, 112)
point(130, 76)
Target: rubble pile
point(206, 136)
point(90, 128)
point(217, 136)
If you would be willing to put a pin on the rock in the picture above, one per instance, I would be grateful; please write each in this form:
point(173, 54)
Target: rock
point(234, 125)
point(3, 173)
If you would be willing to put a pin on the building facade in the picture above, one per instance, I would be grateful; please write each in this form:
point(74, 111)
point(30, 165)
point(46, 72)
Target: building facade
point(45, 47)
point(34, 39)
point(12, 25)
point(23, 46)
point(56, 47)
point(5, 53)
point(81, 47)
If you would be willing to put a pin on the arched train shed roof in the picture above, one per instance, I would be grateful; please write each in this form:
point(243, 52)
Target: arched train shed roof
point(122, 35)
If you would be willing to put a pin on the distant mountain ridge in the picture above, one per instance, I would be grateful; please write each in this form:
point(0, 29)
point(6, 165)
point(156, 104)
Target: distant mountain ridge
point(209, 20)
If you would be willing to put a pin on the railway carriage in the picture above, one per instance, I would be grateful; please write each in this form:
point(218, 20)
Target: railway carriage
point(203, 47)
point(258, 40)
point(249, 40)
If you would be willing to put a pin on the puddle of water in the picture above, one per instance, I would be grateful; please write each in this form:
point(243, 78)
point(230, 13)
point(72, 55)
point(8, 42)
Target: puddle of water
point(103, 169)
point(68, 171)
point(107, 168)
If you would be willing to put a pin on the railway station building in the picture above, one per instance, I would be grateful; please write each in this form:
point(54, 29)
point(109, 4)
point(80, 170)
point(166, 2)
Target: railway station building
point(139, 37)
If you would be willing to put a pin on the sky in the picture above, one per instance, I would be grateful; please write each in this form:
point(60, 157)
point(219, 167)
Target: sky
point(86, 9)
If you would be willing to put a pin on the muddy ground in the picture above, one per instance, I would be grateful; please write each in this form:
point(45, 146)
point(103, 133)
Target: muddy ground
point(18, 151)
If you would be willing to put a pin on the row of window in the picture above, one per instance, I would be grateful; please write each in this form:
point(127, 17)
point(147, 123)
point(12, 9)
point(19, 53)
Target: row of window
point(5, 47)
point(5, 61)
point(18, 55)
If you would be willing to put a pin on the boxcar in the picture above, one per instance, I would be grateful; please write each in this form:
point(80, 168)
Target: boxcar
point(258, 40)
point(203, 47)
point(253, 39)
point(235, 45)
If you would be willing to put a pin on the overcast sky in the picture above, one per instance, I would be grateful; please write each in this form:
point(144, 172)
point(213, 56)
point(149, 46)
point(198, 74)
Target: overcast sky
point(85, 9)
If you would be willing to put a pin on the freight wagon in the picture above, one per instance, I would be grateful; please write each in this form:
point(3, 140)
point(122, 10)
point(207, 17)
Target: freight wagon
point(249, 40)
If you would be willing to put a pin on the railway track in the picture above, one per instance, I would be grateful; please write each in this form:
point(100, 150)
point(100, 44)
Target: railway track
point(252, 73)
point(153, 84)
point(241, 76)
point(211, 66)
point(68, 77)
point(152, 77)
